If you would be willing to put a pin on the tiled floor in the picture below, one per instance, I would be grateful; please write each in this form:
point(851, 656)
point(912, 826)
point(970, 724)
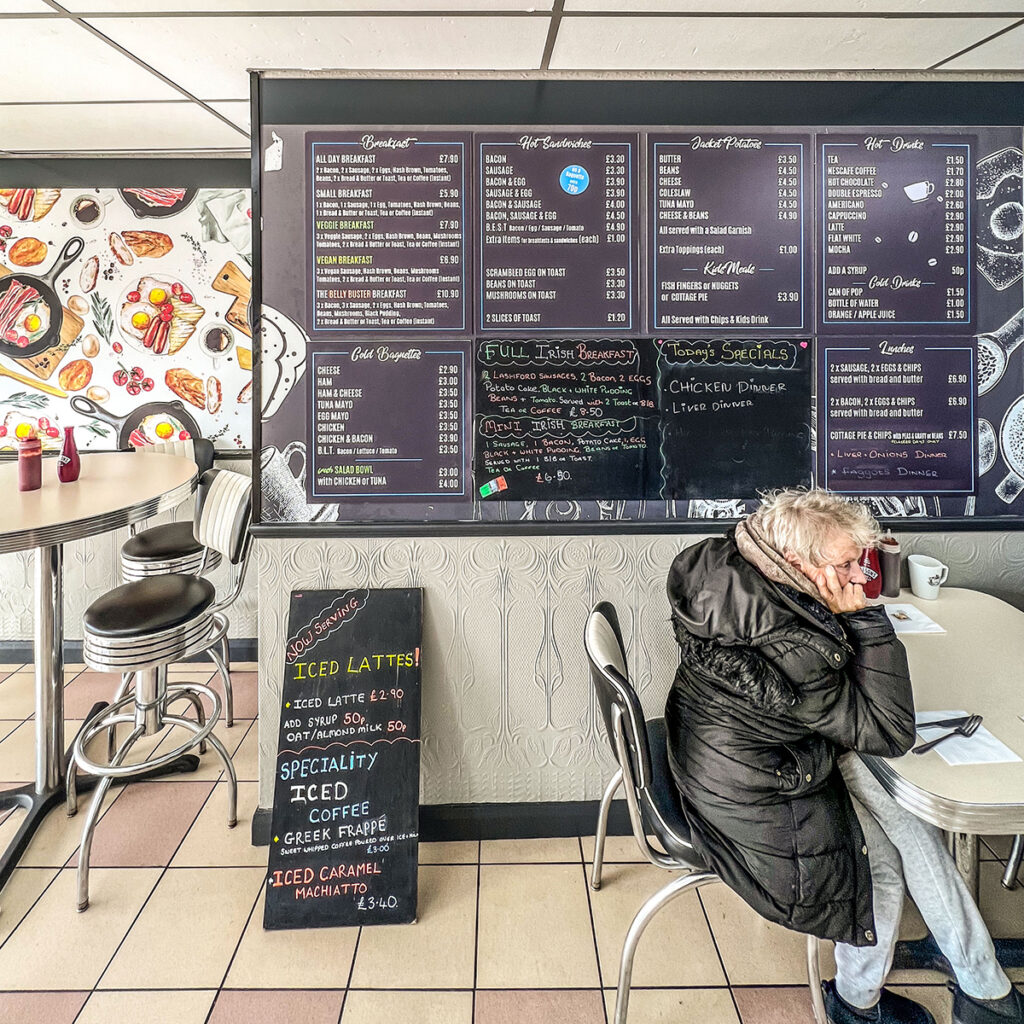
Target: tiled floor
point(508, 931)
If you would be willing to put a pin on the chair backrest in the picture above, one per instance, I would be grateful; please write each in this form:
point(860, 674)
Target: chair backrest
point(199, 449)
point(223, 513)
point(602, 640)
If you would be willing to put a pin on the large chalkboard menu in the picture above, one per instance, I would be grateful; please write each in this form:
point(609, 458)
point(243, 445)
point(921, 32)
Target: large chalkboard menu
point(535, 302)
point(345, 824)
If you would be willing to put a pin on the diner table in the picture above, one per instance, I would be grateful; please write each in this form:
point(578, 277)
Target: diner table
point(114, 489)
point(977, 666)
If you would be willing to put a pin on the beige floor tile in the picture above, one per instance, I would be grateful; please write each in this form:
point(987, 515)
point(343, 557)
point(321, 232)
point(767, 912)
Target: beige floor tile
point(247, 756)
point(149, 1007)
point(530, 851)
point(18, 696)
point(617, 850)
point(7, 667)
point(57, 948)
point(676, 949)
point(1003, 910)
point(437, 951)
point(201, 910)
point(244, 666)
point(534, 928)
point(754, 952)
point(23, 888)
point(300, 958)
point(421, 1007)
point(210, 765)
point(992, 847)
point(59, 836)
point(17, 752)
point(671, 1006)
point(449, 853)
point(210, 843)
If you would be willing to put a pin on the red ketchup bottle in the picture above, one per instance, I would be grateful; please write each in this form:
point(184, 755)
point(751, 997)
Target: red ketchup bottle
point(30, 462)
point(69, 465)
point(871, 567)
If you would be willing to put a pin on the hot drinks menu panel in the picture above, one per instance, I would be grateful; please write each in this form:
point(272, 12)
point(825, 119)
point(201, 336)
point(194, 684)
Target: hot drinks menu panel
point(513, 322)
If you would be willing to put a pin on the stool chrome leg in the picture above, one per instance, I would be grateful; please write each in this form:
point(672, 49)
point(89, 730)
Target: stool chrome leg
point(1009, 879)
point(93, 816)
point(814, 981)
point(126, 681)
point(225, 758)
point(197, 703)
point(602, 828)
point(222, 659)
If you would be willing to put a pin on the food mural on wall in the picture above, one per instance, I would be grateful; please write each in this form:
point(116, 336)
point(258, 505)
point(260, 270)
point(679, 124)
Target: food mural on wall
point(791, 305)
point(123, 314)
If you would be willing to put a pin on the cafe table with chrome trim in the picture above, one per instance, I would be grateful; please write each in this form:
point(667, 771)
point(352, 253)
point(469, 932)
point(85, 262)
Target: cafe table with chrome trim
point(976, 666)
point(114, 489)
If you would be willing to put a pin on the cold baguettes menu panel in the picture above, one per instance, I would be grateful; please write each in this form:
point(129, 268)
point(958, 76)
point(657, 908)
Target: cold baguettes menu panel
point(558, 233)
point(729, 232)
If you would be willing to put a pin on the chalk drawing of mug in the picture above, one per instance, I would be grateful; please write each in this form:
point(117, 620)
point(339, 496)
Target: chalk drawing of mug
point(283, 491)
point(919, 191)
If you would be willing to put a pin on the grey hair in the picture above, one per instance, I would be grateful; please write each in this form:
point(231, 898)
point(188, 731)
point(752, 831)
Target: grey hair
point(803, 523)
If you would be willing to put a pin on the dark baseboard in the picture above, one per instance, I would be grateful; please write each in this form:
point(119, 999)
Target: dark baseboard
point(19, 652)
point(449, 822)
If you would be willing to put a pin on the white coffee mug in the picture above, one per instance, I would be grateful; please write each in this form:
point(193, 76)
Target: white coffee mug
point(927, 574)
point(919, 190)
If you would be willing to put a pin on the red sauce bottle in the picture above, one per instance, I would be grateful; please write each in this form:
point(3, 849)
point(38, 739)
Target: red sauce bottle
point(69, 465)
point(870, 566)
point(30, 463)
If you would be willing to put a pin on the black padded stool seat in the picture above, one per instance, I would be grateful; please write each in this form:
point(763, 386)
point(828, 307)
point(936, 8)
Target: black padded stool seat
point(149, 606)
point(162, 543)
point(659, 807)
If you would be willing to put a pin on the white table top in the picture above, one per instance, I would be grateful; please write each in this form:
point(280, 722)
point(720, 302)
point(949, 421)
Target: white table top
point(977, 665)
point(113, 490)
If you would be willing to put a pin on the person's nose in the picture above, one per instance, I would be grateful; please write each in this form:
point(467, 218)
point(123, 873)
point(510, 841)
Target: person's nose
point(857, 575)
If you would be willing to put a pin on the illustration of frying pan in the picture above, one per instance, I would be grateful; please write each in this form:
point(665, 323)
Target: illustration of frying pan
point(174, 412)
point(45, 286)
point(995, 349)
point(987, 447)
point(1011, 437)
point(142, 209)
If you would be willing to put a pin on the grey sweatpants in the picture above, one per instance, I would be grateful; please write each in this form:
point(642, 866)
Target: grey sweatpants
point(905, 851)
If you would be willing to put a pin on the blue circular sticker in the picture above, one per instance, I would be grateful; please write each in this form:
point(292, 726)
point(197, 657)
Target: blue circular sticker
point(574, 179)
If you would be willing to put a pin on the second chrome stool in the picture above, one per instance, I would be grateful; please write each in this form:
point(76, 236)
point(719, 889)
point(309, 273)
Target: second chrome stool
point(138, 629)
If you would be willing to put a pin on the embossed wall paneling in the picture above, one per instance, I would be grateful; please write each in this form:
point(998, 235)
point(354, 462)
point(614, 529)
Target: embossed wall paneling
point(508, 710)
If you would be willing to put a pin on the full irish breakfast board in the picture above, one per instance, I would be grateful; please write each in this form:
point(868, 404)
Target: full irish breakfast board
point(649, 313)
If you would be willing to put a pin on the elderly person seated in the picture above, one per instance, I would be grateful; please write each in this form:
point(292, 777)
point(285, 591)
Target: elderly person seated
point(785, 676)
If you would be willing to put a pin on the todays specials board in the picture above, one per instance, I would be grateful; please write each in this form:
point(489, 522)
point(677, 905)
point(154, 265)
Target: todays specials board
point(345, 823)
point(581, 317)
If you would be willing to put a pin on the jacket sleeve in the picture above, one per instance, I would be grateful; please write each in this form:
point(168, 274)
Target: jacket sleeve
point(867, 705)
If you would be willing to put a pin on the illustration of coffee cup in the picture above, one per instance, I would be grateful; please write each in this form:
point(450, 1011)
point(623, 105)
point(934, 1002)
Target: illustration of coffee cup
point(919, 191)
point(282, 489)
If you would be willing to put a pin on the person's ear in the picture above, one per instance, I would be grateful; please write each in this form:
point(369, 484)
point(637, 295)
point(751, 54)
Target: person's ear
point(794, 560)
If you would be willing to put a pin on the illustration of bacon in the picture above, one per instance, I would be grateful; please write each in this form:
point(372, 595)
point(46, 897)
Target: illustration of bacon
point(158, 196)
point(17, 297)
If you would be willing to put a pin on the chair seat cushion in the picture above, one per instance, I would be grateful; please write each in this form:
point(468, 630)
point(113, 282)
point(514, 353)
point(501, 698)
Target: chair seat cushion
point(149, 606)
point(161, 543)
point(661, 809)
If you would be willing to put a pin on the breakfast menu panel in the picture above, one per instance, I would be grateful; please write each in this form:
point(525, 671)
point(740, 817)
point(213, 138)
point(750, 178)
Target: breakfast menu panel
point(558, 233)
point(894, 232)
point(387, 231)
point(729, 232)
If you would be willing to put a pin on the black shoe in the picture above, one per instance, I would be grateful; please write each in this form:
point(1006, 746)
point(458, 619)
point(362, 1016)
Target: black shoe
point(1008, 1010)
point(890, 1009)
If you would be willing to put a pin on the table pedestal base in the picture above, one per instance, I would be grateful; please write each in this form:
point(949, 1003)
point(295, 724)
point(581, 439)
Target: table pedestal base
point(39, 805)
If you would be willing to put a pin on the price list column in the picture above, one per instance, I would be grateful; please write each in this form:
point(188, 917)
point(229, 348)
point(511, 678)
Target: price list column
point(896, 233)
point(558, 245)
point(730, 233)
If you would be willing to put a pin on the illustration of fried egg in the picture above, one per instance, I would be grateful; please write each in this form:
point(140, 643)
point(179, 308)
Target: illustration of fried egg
point(160, 427)
point(135, 317)
point(35, 320)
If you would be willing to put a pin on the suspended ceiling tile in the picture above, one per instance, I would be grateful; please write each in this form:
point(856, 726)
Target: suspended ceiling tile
point(48, 60)
point(758, 44)
point(129, 127)
point(263, 6)
point(236, 111)
point(854, 8)
point(1004, 54)
point(208, 56)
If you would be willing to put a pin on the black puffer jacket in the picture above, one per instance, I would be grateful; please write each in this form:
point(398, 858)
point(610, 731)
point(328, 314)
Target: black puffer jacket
point(771, 687)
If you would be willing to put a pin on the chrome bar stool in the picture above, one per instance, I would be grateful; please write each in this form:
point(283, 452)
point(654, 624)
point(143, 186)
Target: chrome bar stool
point(141, 627)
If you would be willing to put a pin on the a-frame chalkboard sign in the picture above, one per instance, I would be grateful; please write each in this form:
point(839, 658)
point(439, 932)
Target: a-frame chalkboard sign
point(344, 839)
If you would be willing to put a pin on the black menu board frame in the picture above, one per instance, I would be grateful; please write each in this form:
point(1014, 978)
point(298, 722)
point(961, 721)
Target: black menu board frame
point(545, 102)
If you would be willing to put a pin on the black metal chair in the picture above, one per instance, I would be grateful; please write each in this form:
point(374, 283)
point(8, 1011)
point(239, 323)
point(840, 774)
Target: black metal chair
point(651, 797)
point(141, 627)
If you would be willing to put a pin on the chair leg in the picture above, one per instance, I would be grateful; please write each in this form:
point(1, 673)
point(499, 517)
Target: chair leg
point(1009, 879)
point(93, 816)
point(814, 981)
point(225, 757)
point(602, 828)
point(222, 659)
point(197, 703)
point(679, 885)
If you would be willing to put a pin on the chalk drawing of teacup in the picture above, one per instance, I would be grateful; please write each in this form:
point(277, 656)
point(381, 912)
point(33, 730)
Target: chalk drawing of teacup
point(919, 190)
point(283, 491)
